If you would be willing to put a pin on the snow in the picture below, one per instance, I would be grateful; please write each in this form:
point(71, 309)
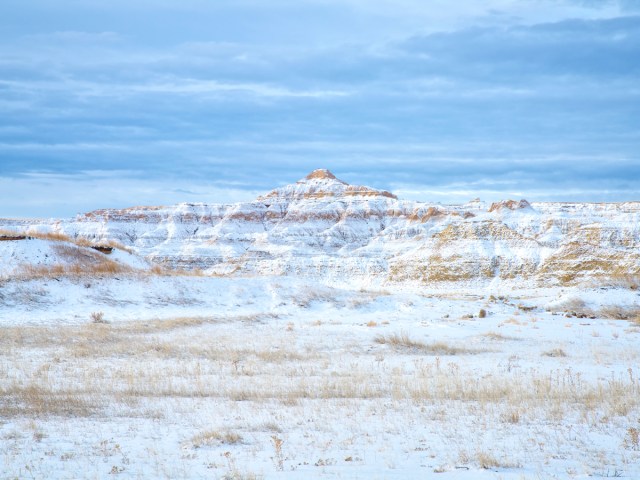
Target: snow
point(323, 228)
point(327, 338)
point(279, 358)
point(35, 252)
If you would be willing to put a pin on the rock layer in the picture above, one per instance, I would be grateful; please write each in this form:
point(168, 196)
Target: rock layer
point(323, 227)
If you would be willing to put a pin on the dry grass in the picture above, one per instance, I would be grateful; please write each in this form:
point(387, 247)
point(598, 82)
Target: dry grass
point(402, 342)
point(632, 282)
point(487, 461)
point(632, 439)
point(511, 416)
point(578, 308)
point(81, 387)
point(98, 317)
point(78, 257)
point(104, 268)
point(617, 312)
point(38, 337)
point(526, 308)
point(218, 384)
point(513, 321)
point(35, 400)
point(498, 337)
point(215, 437)
point(306, 297)
point(53, 236)
point(555, 353)
point(78, 371)
point(571, 304)
point(164, 271)
point(75, 262)
point(81, 259)
point(62, 237)
point(85, 242)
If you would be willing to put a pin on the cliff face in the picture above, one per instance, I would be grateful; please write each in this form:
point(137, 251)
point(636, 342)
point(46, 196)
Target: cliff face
point(323, 227)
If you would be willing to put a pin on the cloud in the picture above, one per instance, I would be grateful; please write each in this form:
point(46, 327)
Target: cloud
point(65, 195)
point(599, 50)
point(500, 96)
point(71, 37)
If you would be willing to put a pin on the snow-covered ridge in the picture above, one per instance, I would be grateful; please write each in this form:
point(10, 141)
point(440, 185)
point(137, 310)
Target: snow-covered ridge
point(322, 227)
point(320, 184)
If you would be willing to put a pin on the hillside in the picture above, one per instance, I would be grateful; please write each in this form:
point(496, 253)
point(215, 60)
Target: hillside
point(321, 227)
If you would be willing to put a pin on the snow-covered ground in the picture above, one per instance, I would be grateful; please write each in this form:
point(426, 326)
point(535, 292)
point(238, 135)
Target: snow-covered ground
point(143, 376)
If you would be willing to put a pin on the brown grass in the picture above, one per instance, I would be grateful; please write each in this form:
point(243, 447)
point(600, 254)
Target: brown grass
point(571, 304)
point(38, 400)
point(632, 282)
point(53, 236)
point(98, 317)
point(616, 312)
point(402, 342)
point(107, 268)
point(513, 321)
point(487, 461)
point(215, 437)
point(89, 385)
point(79, 370)
point(100, 339)
point(556, 352)
point(75, 262)
point(163, 271)
point(85, 242)
point(81, 259)
point(511, 416)
point(578, 307)
point(498, 337)
point(62, 237)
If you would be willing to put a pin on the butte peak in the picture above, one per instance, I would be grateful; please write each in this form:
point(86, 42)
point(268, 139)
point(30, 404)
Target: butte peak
point(322, 174)
point(322, 184)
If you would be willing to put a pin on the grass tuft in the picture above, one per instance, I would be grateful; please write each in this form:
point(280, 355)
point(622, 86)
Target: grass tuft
point(402, 342)
point(215, 437)
point(556, 352)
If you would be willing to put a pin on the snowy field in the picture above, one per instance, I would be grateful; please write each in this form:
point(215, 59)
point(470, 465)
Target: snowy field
point(192, 377)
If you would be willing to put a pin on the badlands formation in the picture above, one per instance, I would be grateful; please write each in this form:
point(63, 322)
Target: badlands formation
point(321, 227)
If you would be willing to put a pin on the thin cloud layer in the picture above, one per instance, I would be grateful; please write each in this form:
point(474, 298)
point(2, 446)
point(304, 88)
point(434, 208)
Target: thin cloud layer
point(445, 99)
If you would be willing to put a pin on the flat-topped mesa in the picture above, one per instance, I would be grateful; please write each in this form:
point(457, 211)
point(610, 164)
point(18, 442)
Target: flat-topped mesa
point(320, 184)
point(140, 214)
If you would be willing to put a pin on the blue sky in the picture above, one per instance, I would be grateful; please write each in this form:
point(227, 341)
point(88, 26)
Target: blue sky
point(120, 103)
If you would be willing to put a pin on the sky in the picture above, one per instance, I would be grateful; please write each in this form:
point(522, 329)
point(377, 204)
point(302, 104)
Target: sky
point(155, 102)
